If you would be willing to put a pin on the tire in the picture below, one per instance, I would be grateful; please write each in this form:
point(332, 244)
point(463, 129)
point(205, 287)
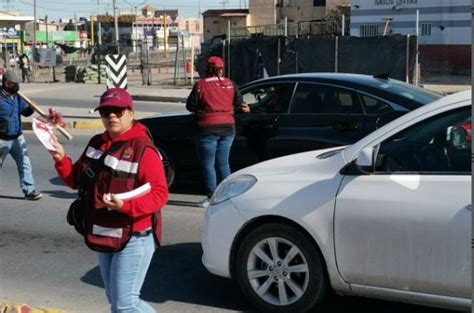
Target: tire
point(170, 171)
point(293, 285)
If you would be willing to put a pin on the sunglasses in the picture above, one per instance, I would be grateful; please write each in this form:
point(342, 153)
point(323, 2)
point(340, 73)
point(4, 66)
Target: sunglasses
point(118, 112)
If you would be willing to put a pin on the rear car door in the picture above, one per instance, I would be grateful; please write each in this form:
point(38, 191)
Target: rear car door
point(321, 116)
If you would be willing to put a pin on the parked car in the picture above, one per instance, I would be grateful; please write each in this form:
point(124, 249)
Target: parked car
point(290, 114)
point(388, 217)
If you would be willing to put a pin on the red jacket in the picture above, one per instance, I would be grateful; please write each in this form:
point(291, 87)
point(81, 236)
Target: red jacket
point(150, 170)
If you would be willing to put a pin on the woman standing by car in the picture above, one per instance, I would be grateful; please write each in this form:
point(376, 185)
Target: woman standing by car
point(123, 232)
point(214, 100)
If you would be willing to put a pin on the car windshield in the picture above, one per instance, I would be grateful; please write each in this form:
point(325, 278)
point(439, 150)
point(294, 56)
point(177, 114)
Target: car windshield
point(411, 92)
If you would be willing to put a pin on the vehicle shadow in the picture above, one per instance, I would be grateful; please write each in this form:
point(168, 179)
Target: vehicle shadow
point(177, 274)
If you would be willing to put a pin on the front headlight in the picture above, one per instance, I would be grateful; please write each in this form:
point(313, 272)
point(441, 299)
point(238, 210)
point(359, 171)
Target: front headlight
point(233, 187)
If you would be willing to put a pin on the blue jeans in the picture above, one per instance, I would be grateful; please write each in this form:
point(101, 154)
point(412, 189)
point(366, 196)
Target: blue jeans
point(124, 272)
point(213, 153)
point(17, 148)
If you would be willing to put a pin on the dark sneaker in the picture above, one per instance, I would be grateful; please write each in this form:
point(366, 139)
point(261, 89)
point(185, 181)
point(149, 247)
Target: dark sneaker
point(35, 195)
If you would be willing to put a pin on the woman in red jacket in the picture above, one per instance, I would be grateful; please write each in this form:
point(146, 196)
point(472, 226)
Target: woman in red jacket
point(124, 231)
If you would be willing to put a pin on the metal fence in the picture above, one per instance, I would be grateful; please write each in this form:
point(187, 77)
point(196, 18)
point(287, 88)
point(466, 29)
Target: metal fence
point(316, 27)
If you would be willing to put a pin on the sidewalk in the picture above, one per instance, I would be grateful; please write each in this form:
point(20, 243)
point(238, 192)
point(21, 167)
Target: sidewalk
point(84, 118)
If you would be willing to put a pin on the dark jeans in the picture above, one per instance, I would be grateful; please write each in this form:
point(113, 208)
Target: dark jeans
point(213, 154)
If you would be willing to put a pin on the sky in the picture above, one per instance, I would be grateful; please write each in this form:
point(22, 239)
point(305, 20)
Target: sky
point(56, 9)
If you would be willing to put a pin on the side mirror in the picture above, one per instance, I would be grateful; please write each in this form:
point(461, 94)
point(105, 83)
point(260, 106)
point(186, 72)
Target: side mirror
point(365, 160)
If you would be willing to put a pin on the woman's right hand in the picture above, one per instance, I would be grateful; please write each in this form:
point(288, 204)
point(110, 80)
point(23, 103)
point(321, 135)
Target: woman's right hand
point(59, 153)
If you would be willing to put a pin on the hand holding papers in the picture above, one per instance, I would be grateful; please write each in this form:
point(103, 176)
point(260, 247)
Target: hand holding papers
point(120, 197)
point(45, 133)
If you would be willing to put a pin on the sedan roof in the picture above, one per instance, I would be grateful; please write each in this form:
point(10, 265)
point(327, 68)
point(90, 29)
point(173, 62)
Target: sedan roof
point(389, 89)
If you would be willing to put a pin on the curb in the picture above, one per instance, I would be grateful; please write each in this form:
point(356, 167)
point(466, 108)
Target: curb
point(23, 308)
point(159, 98)
point(156, 98)
point(78, 124)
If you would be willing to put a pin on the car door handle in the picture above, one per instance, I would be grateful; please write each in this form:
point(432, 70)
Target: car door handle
point(468, 207)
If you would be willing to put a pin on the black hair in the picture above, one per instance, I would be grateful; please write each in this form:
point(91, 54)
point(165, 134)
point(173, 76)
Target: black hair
point(212, 70)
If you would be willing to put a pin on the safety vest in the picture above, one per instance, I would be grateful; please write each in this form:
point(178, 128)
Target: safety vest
point(115, 172)
point(216, 97)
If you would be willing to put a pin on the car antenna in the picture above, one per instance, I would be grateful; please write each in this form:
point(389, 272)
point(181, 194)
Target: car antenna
point(382, 76)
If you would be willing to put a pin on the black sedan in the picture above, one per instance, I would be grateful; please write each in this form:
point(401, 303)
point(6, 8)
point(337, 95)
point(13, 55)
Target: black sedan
point(290, 114)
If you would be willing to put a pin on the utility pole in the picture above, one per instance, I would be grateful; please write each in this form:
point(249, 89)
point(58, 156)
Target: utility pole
point(224, 2)
point(92, 31)
point(34, 33)
point(165, 34)
point(116, 27)
point(46, 25)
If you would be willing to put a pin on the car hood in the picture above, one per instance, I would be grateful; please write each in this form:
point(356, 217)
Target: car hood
point(288, 164)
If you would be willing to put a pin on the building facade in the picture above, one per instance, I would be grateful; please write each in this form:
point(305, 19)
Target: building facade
point(446, 22)
point(267, 12)
point(444, 30)
point(216, 21)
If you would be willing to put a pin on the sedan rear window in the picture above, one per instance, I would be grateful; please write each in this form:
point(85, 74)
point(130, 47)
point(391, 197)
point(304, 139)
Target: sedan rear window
point(411, 92)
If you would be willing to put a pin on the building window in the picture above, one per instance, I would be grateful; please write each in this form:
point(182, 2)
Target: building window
point(369, 30)
point(425, 29)
point(216, 22)
point(319, 3)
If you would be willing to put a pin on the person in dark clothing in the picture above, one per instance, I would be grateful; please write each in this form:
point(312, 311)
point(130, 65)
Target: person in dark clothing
point(12, 140)
point(214, 99)
point(25, 67)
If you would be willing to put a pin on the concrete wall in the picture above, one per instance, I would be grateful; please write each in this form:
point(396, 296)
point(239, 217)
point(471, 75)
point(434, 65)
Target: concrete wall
point(303, 10)
point(217, 25)
point(262, 12)
point(266, 12)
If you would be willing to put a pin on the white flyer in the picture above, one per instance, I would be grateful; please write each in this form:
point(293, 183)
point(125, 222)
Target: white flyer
point(45, 133)
point(137, 192)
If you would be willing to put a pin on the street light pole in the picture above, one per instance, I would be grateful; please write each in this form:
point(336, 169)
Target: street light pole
point(34, 33)
point(116, 27)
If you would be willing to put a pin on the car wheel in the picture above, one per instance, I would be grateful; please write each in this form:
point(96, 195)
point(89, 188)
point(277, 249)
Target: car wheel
point(168, 165)
point(280, 270)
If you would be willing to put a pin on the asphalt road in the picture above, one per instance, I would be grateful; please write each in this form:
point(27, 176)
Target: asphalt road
point(44, 263)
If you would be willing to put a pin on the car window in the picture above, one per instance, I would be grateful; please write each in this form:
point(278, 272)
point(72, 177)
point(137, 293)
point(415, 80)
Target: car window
point(408, 91)
point(375, 106)
point(441, 144)
point(314, 98)
point(269, 99)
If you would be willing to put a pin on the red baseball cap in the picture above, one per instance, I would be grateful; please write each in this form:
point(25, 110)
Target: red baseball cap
point(216, 62)
point(116, 97)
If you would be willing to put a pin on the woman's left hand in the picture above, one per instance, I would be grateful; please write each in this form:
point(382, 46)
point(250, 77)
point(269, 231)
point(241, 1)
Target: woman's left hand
point(112, 202)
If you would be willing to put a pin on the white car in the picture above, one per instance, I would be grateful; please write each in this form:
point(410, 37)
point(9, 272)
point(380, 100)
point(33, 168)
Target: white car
point(388, 217)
